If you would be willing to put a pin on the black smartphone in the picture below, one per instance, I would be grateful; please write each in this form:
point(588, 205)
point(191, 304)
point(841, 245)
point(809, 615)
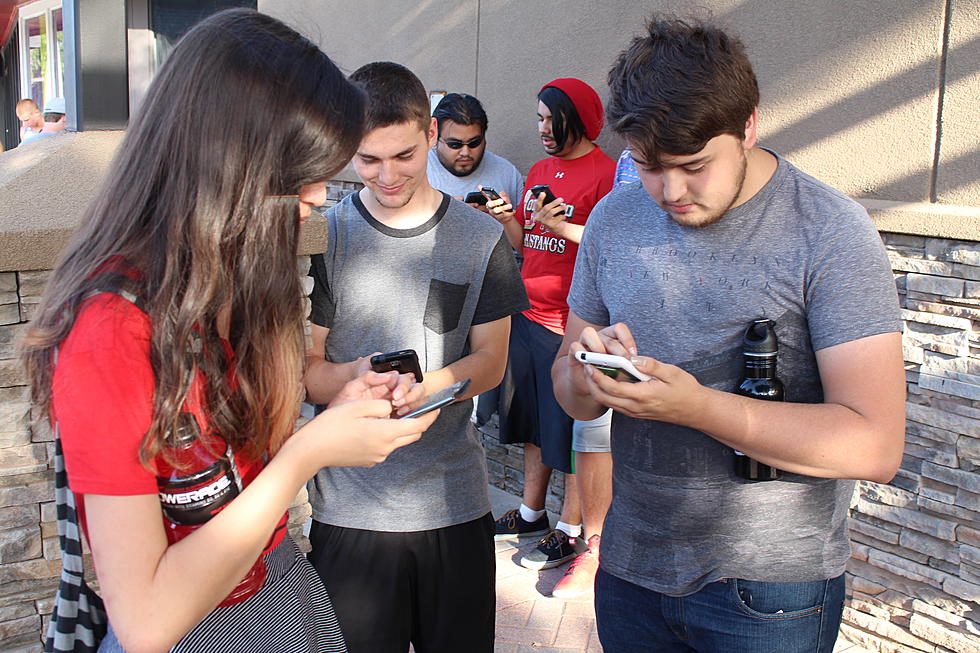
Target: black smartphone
point(490, 193)
point(476, 197)
point(439, 399)
point(549, 197)
point(403, 361)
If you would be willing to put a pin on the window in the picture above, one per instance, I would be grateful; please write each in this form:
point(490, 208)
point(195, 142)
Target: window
point(154, 28)
point(42, 50)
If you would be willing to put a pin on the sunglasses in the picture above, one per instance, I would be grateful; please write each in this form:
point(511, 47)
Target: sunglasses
point(456, 144)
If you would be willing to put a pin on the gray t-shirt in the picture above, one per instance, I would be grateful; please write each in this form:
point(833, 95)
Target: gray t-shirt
point(383, 289)
point(494, 171)
point(800, 253)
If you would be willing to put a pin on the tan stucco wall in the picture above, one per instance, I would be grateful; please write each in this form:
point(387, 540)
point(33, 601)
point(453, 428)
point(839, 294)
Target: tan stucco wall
point(850, 91)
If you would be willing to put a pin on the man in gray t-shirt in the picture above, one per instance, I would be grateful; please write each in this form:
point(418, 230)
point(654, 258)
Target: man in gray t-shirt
point(406, 548)
point(670, 273)
point(460, 161)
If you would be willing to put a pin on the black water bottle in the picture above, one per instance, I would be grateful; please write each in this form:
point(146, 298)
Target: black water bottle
point(759, 350)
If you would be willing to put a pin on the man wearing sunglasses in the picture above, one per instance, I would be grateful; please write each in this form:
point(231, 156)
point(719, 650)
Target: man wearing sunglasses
point(460, 163)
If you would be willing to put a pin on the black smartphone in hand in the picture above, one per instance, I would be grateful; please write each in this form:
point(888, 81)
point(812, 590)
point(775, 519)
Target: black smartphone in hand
point(490, 194)
point(439, 399)
point(403, 361)
point(475, 197)
point(549, 197)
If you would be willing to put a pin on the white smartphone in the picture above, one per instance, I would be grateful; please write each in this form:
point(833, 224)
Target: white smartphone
point(439, 399)
point(615, 367)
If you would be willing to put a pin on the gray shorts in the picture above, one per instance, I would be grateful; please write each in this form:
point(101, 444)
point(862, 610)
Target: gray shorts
point(592, 436)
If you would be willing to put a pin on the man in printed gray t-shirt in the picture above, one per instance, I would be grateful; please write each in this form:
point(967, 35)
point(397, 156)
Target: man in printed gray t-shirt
point(406, 547)
point(670, 273)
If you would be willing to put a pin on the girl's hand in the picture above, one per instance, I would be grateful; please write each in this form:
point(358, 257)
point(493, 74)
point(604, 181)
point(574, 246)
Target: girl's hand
point(355, 434)
point(400, 389)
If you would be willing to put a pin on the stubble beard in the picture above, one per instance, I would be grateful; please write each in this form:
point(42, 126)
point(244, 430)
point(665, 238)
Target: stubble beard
point(713, 217)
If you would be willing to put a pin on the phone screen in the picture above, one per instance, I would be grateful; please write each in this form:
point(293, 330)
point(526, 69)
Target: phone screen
point(616, 374)
point(439, 399)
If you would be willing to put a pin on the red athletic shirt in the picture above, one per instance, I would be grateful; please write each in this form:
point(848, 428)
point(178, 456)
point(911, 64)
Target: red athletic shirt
point(549, 260)
point(102, 395)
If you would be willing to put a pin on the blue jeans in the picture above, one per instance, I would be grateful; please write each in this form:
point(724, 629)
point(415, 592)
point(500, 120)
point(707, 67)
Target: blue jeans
point(726, 616)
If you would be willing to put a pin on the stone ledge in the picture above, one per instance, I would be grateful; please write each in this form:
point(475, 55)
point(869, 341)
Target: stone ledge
point(924, 219)
point(38, 215)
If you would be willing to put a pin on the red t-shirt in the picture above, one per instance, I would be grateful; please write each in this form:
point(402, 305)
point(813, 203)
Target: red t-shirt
point(549, 260)
point(102, 395)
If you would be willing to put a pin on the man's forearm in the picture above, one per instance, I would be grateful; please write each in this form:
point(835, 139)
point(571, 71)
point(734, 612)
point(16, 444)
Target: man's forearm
point(484, 370)
point(324, 379)
point(576, 404)
point(515, 234)
point(826, 440)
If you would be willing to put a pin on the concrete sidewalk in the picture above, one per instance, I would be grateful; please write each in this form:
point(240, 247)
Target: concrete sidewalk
point(529, 620)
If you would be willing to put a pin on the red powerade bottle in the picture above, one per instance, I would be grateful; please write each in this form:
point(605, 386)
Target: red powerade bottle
point(198, 487)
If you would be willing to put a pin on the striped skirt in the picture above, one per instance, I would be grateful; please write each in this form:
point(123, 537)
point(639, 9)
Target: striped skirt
point(290, 614)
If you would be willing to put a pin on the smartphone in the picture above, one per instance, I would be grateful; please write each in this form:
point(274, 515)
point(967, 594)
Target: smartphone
point(490, 194)
point(475, 197)
point(543, 188)
point(615, 367)
point(403, 361)
point(439, 399)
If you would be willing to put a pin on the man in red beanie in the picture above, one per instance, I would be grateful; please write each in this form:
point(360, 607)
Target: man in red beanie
point(578, 174)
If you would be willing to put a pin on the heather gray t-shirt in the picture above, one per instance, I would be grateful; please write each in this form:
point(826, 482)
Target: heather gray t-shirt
point(494, 171)
point(383, 289)
point(800, 253)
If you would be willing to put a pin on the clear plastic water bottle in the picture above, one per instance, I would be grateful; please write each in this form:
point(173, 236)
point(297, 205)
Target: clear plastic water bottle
point(759, 351)
point(197, 488)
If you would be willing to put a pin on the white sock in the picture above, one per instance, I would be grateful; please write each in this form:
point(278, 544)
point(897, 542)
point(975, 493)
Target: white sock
point(529, 515)
point(571, 530)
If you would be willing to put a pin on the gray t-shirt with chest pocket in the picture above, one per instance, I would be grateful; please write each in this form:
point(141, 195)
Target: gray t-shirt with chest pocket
point(383, 289)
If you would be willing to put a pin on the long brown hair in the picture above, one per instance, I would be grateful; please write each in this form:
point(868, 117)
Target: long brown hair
point(244, 108)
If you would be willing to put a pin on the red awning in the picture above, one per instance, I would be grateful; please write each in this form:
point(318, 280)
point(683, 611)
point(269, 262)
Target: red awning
point(8, 17)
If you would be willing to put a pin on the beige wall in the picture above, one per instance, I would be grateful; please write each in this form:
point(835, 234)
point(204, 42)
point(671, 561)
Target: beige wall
point(851, 91)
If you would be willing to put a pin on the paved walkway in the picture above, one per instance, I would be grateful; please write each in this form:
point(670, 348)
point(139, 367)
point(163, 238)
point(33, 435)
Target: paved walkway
point(529, 620)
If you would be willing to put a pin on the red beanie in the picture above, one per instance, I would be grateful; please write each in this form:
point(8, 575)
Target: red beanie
point(586, 102)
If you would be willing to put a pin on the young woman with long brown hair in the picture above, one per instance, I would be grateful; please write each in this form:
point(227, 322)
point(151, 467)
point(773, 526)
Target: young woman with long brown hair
point(171, 336)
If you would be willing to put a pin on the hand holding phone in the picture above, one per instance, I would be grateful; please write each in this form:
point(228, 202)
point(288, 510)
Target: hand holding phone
point(439, 399)
point(615, 367)
point(403, 361)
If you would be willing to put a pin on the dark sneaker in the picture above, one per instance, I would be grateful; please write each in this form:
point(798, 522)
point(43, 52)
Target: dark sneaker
point(511, 526)
point(554, 548)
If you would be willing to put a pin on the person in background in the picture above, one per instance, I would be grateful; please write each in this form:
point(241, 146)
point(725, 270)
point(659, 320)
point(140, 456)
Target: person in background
point(590, 442)
point(168, 350)
point(54, 120)
point(460, 161)
point(579, 174)
point(31, 120)
point(720, 232)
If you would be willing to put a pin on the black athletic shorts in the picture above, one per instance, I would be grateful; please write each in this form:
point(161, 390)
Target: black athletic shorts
point(435, 589)
point(528, 409)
